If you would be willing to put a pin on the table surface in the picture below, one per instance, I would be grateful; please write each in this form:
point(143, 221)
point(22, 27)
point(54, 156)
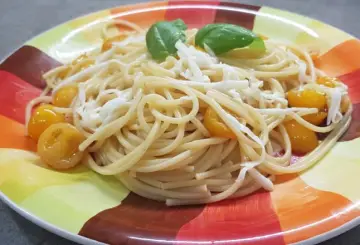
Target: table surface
point(21, 19)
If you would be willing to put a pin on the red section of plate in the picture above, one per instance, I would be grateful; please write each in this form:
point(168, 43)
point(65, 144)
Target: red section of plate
point(353, 131)
point(341, 59)
point(13, 135)
point(29, 64)
point(352, 80)
point(194, 13)
point(139, 221)
point(237, 13)
point(15, 93)
point(248, 220)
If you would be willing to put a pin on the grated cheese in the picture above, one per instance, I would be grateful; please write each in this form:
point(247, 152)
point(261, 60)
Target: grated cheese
point(334, 116)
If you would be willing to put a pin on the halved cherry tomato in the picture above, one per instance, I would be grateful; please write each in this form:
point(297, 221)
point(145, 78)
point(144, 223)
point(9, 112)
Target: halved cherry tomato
point(345, 103)
point(85, 64)
point(108, 42)
point(216, 126)
point(309, 99)
point(42, 118)
point(58, 146)
point(317, 118)
point(303, 140)
point(331, 83)
point(327, 81)
point(63, 74)
point(65, 95)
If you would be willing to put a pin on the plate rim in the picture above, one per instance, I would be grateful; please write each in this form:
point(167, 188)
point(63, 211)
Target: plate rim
point(87, 241)
point(75, 237)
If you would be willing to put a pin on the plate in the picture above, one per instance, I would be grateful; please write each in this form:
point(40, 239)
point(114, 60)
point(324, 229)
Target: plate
point(92, 209)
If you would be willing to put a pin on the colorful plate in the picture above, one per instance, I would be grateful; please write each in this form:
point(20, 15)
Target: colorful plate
point(84, 207)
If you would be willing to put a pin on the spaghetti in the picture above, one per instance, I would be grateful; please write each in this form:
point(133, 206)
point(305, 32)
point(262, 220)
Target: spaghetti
point(196, 127)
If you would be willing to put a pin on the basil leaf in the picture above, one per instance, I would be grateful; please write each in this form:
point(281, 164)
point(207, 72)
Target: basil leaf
point(179, 23)
point(162, 37)
point(221, 37)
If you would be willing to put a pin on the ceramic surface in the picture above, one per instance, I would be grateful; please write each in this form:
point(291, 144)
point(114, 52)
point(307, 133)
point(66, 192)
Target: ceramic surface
point(86, 207)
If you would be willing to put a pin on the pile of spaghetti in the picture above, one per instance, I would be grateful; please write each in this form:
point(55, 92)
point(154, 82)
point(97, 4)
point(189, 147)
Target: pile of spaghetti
point(176, 117)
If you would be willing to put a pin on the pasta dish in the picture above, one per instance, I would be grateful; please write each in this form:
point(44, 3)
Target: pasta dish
point(189, 116)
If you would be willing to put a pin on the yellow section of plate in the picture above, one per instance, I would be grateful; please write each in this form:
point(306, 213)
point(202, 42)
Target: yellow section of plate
point(342, 163)
point(23, 174)
point(326, 37)
point(91, 26)
point(281, 25)
point(80, 201)
point(51, 195)
point(57, 45)
point(73, 38)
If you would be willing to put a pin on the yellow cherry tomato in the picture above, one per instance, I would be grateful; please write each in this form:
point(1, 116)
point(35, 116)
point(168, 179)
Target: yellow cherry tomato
point(327, 81)
point(65, 95)
point(42, 118)
point(85, 63)
point(331, 83)
point(345, 104)
point(108, 42)
point(309, 99)
point(316, 118)
point(63, 74)
point(58, 146)
point(79, 59)
point(303, 140)
point(216, 126)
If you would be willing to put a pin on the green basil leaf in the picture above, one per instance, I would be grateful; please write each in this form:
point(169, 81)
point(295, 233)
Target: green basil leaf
point(162, 37)
point(179, 23)
point(221, 37)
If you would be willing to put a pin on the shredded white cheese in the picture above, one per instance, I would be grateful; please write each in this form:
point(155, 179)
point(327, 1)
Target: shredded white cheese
point(334, 115)
point(196, 60)
point(203, 60)
point(89, 113)
point(302, 66)
point(302, 71)
point(109, 107)
point(236, 124)
point(228, 85)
